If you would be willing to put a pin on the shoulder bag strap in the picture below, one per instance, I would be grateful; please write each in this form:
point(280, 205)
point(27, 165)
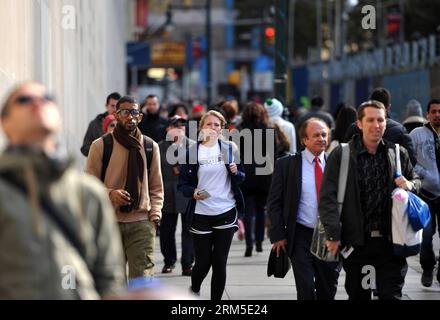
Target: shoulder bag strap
point(398, 165)
point(343, 173)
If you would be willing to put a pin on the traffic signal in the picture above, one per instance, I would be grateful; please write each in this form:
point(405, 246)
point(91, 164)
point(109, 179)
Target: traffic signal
point(393, 21)
point(269, 35)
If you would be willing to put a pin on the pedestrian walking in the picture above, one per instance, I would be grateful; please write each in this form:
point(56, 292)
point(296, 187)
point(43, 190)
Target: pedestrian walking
point(211, 178)
point(133, 179)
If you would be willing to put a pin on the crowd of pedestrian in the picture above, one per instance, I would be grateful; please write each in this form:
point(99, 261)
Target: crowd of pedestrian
point(219, 168)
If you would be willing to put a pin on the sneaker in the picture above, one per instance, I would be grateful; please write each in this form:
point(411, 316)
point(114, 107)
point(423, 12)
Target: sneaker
point(427, 276)
point(187, 272)
point(259, 247)
point(168, 269)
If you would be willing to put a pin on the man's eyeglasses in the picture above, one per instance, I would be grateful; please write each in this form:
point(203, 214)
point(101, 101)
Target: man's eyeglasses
point(27, 99)
point(126, 112)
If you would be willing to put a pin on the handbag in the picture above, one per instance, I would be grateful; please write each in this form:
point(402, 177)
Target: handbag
point(278, 266)
point(418, 212)
point(318, 247)
point(406, 221)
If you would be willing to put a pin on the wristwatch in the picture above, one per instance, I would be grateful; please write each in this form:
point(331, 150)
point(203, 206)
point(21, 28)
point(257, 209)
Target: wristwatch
point(157, 223)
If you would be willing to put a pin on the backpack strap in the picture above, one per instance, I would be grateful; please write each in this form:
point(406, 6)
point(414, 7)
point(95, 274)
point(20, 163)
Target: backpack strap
point(148, 146)
point(107, 152)
point(108, 148)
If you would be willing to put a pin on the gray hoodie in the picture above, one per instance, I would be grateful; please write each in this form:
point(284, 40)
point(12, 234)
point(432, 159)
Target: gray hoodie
point(426, 166)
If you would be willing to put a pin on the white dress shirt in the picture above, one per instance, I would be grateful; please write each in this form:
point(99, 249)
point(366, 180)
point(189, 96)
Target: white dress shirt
point(308, 203)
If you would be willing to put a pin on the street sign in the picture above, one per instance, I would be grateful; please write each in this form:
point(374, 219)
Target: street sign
point(168, 53)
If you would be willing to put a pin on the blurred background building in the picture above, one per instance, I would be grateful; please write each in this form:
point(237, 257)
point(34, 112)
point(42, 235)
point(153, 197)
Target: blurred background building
point(75, 47)
point(201, 51)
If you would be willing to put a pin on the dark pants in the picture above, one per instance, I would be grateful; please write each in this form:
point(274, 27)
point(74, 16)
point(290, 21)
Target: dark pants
point(212, 240)
point(168, 241)
point(254, 217)
point(315, 279)
point(427, 255)
point(374, 265)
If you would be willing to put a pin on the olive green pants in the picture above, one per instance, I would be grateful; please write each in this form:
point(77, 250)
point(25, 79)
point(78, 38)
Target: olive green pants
point(138, 242)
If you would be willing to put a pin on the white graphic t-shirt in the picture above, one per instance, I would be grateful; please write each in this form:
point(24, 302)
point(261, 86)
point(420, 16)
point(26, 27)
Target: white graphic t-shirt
point(214, 178)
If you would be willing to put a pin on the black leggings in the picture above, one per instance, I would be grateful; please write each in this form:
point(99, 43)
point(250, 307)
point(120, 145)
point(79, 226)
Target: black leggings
point(212, 250)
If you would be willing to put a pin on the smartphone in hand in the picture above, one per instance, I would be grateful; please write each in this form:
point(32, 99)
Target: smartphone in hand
point(203, 193)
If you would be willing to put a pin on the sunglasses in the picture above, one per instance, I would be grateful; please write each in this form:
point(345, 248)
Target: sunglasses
point(126, 112)
point(27, 99)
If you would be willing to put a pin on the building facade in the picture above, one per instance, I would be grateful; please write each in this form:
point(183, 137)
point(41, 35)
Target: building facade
point(75, 47)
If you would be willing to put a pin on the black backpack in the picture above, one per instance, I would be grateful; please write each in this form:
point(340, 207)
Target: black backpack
point(108, 148)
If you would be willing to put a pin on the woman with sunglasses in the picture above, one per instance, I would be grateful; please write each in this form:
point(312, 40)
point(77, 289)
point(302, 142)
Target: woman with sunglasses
point(211, 178)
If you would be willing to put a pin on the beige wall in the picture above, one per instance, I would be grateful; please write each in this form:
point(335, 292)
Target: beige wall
point(81, 66)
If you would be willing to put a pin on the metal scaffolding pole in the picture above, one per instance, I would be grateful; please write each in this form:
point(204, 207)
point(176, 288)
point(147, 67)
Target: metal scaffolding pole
point(281, 61)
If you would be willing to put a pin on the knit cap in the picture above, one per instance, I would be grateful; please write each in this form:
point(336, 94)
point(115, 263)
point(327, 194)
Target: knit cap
point(414, 108)
point(274, 107)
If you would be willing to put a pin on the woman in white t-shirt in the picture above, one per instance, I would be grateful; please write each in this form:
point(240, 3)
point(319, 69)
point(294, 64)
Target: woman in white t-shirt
point(211, 177)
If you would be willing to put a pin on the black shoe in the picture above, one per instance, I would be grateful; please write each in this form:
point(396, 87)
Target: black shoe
point(248, 252)
point(192, 292)
point(168, 269)
point(427, 278)
point(187, 272)
point(259, 247)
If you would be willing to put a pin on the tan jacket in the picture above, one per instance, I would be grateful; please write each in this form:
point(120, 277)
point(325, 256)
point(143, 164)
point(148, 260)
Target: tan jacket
point(151, 193)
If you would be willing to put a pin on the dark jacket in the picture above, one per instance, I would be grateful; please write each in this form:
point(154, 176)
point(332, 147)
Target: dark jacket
point(174, 201)
point(394, 132)
point(253, 182)
point(283, 200)
point(154, 126)
point(188, 178)
point(351, 232)
point(94, 131)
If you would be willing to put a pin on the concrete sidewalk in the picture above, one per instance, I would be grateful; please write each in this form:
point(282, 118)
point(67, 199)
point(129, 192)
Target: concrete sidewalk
point(247, 278)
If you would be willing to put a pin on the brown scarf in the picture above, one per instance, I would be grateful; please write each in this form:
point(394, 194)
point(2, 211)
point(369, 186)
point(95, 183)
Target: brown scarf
point(136, 165)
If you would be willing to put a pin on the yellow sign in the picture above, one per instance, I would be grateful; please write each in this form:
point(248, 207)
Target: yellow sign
point(168, 53)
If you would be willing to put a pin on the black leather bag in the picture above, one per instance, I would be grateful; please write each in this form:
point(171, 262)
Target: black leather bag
point(278, 266)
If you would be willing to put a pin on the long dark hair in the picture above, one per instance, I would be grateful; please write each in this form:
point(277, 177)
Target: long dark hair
point(346, 116)
point(254, 116)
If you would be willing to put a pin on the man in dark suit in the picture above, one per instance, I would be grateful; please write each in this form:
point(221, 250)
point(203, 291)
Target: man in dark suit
point(293, 212)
